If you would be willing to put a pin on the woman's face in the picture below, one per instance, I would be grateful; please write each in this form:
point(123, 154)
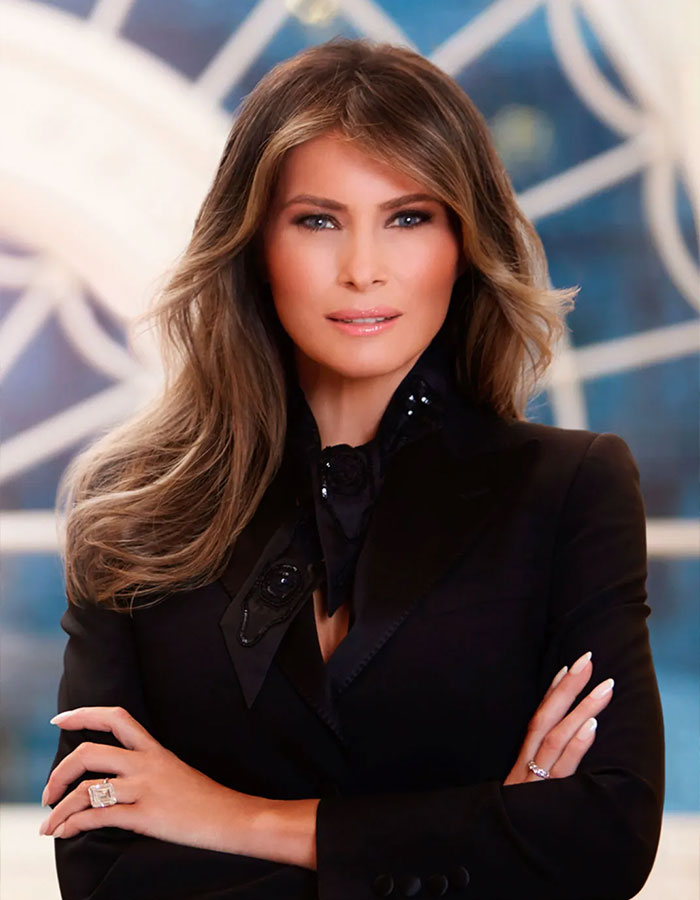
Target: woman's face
point(339, 243)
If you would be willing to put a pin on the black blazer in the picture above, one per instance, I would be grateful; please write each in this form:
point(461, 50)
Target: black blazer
point(497, 552)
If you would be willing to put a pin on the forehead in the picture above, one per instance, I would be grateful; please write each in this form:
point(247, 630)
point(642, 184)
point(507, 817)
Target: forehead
point(328, 163)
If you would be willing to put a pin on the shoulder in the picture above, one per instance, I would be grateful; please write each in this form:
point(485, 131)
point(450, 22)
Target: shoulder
point(578, 455)
point(578, 442)
point(559, 455)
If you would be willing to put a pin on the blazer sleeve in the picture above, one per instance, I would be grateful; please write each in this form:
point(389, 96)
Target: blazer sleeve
point(101, 669)
point(590, 836)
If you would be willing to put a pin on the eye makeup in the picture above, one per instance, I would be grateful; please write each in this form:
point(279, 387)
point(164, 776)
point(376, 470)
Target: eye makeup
point(422, 215)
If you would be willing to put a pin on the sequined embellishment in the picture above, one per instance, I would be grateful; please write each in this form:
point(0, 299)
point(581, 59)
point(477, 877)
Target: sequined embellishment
point(343, 470)
point(421, 412)
point(279, 588)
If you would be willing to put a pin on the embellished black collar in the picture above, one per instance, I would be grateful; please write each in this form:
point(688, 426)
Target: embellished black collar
point(335, 488)
point(416, 408)
point(340, 482)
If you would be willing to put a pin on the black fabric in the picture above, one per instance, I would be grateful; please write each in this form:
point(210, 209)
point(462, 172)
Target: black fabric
point(334, 490)
point(496, 552)
point(344, 480)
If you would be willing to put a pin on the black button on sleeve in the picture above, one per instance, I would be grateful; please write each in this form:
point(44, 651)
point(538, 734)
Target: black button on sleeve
point(459, 877)
point(408, 885)
point(383, 885)
point(436, 885)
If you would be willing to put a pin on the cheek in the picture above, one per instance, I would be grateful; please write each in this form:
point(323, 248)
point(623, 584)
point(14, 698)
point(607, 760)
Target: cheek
point(286, 265)
point(430, 273)
point(292, 274)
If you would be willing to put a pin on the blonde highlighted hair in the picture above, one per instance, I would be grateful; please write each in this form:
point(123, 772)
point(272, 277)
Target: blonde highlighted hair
point(156, 504)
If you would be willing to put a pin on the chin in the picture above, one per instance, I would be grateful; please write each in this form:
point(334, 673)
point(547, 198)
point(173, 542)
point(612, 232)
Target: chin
point(379, 358)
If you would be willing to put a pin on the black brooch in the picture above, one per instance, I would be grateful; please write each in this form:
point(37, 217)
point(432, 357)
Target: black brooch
point(273, 597)
point(343, 470)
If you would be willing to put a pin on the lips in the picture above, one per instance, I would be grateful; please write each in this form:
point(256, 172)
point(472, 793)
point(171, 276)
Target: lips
point(374, 312)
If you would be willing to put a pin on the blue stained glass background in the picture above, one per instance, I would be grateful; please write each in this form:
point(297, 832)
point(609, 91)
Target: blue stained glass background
point(602, 243)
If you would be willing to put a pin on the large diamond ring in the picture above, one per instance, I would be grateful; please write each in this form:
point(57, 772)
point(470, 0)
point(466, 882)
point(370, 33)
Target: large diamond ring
point(102, 794)
point(533, 767)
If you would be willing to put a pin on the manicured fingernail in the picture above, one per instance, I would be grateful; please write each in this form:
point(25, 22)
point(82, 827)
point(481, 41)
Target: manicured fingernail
point(44, 795)
point(581, 662)
point(59, 831)
point(588, 726)
point(44, 826)
point(603, 688)
point(59, 717)
point(560, 674)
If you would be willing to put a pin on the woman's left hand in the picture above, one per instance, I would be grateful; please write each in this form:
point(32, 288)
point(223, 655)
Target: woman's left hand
point(157, 793)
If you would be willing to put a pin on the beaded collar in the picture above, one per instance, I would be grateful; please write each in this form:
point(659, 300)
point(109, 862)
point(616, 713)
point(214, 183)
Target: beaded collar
point(416, 408)
point(343, 481)
point(335, 489)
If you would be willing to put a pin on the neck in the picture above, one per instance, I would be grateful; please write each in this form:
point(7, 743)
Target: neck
point(347, 410)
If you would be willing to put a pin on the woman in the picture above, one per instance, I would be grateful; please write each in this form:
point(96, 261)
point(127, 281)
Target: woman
point(324, 594)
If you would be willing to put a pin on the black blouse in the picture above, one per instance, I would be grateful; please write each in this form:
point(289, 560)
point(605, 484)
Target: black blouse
point(336, 489)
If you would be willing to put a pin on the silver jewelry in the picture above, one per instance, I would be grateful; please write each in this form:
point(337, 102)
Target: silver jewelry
point(102, 794)
point(533, 767)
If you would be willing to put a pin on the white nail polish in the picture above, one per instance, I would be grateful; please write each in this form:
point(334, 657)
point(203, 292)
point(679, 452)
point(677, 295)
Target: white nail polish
point(59, 717)
point(558, 677)
point(581, 662)
point(588, 726)
point(603, 688)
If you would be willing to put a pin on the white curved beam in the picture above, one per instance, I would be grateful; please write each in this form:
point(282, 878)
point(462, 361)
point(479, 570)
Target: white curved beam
point(369, 18)
point(110, 15)
point(481, 32)
point(588, 178)
point(71, 426)
point(659, 199)
point(584, 76)
point(91, 342)
point(242, 48)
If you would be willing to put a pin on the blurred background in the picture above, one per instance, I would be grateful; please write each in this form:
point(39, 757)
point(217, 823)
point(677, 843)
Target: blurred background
point(114, 115)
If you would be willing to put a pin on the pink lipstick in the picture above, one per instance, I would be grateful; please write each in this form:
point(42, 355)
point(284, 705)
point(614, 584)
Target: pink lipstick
point(364, 321)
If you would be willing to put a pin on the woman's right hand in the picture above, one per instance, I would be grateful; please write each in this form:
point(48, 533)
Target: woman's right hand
point(556, 741)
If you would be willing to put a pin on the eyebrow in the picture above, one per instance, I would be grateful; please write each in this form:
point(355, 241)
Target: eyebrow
point(327, 203)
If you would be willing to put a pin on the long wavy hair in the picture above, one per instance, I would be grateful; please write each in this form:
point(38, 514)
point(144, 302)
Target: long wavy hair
point(156, 504)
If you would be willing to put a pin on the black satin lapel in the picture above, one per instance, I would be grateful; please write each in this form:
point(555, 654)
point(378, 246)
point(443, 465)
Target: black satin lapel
point(432, 506)
point(292, 644)
point(260, 543)
point(300, 659)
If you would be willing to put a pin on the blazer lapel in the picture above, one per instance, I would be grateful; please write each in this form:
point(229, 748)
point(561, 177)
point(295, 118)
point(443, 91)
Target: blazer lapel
point(432, 506)
point(438, 494)
point(253, 631)
point(260, 547)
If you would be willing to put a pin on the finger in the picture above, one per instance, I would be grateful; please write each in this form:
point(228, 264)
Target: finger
point(552, 709)
point(555, 741)
point(87, 757)
point(561, 695)
point(575, 750)
point(116, 719)
point(79, 799)
point(555, 681)
point(121, 815)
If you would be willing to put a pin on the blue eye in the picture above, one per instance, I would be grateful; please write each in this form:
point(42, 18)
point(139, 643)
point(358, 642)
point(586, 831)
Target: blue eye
point(414, 213)
point(303, 219)
point(407, 213)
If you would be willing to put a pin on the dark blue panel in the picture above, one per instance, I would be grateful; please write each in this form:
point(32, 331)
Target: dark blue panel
point(655, 409)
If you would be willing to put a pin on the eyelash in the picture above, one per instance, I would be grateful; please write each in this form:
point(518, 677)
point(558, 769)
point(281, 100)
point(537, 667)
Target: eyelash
point(425, 216)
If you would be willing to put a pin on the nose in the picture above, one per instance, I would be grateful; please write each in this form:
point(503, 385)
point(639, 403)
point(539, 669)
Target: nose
point(361, 260)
